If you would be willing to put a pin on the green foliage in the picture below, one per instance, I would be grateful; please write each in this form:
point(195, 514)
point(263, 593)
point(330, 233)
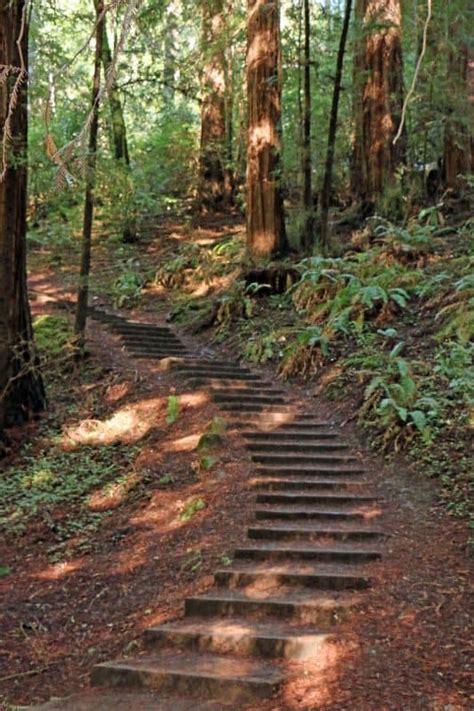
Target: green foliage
point(128, 286)
point(172, 409)
point(394, 396)
point(191, 507)
point(54, 477)
point(52, 335)
point(166, 479)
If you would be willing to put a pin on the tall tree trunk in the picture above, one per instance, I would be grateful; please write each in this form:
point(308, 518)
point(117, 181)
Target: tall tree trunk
point(212, 184)
point(119, 129)
point(169, 56)
point(308, 230)
point(378, 86)
point(327, 180)
point(458, 133)
point(84, 272)
point(21, 386)
point(265, 219)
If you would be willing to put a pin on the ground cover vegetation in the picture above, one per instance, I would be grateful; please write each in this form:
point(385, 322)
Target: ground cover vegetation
point(290, 181)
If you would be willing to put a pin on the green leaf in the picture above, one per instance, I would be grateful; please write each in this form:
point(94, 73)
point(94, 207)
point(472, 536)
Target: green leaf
point(396, 350)
point(172, 409)
point(4, 571)
point(419, 419)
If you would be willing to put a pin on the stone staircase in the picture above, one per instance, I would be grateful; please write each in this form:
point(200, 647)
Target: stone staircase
point(305, 564)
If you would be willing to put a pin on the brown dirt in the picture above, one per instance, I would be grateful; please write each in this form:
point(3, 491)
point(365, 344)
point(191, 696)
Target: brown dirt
point(408, 647)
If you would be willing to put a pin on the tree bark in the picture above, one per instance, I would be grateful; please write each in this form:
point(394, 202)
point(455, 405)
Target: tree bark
point(84, 272)
point(378, 86)
point(21, 386)
point(119, 129)
point(327, 180)
point(213, 187)
point(265, 219)
point(458, 132)
point(308, 229)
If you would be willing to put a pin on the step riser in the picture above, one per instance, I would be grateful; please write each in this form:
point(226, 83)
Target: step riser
point(299, 535)
point(287, 460)
point(305, 515)
point(324, 556)
point(299, 485)
point(256, 609)
point(250, 646)
point(312, 499)
point(295, 448)
point(234, 579)
point(241, 408)
point(228, 690)
point(249, 399)
point(300, 437)
point(309, 471)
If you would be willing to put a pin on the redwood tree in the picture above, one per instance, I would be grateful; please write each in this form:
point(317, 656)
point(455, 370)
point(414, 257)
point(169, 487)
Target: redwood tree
point(265, 220)
point(213, 192)
point(21, 387)
point(378, 97)
point(459, 133)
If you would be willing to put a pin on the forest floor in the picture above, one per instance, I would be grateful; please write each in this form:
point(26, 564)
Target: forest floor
point(116, 543)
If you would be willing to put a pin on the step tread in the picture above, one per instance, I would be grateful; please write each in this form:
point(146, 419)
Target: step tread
point(199, 665)
point(307, 597)
point(301, 568)
point(239, 627)
point(125, 700)
point(309, 548)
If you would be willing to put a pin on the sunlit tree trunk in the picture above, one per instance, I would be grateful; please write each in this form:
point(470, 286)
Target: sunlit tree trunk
point(265, 220)
point(212, 185)
point(84, 272)
point(21, 387)
point(378, 101)
point(459, 132)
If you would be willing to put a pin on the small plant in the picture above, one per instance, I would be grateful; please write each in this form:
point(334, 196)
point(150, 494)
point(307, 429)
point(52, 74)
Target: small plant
point(393, 397)
point(191, 507)
point(166, 479)
point(128, 286)
point(172, 409)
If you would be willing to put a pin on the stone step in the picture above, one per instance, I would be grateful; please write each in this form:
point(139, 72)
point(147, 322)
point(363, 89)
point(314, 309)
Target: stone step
point(246, 399)
point(141, 330)
point(170, 350)
point(252, 406)
point(287, 458)
point(277, 531)
point(304, 497)
point(309, 606)
point(233, 681)
point(248, 391)
point(217, 382)
point(305, 484)
point(334, 470)
point(320, 513)
point(290, 574)
point(240, 636)
point(153, 340)
point(289, 434)
point(210, 373)
point(273, 422)
point(152, 355)
point(280, 445)
point(293, 551)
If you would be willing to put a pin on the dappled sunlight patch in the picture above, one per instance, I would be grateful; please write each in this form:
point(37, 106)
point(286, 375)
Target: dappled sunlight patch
point(184, 444)
point(129, 424)
point(114, 493)
point(312, 683)
point(57, 571)
point(194, 399)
